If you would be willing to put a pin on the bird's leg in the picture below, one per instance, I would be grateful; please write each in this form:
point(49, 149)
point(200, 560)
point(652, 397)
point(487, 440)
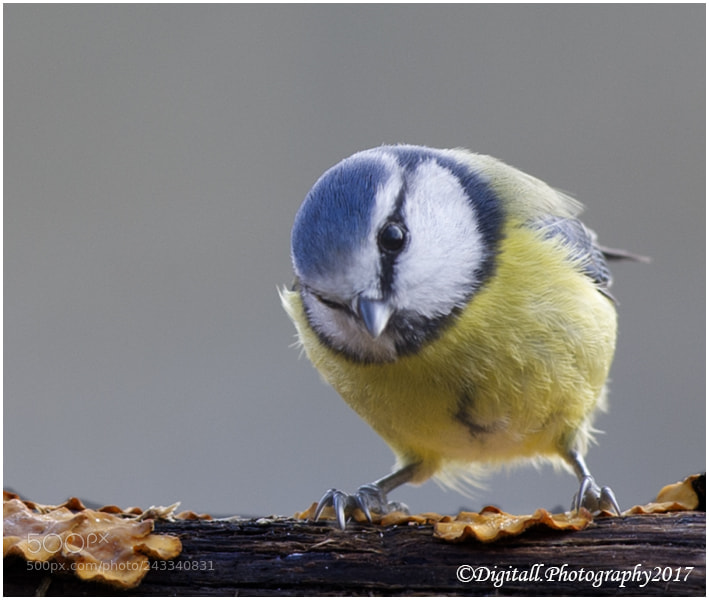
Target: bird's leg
point(590, 495)
point(371, 497)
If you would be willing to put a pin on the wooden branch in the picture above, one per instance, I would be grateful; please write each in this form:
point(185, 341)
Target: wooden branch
point(656, 554)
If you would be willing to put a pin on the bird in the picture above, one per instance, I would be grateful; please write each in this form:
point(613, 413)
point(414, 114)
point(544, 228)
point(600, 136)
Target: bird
point(462, 309)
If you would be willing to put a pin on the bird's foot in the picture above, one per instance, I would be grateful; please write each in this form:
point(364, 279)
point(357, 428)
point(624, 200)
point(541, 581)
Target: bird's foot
point(595, 499)
point(368, 498)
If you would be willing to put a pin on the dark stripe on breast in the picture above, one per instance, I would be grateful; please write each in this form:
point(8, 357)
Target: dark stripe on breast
point(464, 409)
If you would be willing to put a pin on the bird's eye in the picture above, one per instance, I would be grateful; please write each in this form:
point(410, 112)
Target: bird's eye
point(330, 303)
point(392, 237)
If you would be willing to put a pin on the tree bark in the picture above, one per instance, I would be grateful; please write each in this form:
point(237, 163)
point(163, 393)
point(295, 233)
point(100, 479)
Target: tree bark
point(635, 555)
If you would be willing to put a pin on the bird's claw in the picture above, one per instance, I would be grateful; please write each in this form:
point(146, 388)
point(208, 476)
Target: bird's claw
point(368, 498)
point(595, 499)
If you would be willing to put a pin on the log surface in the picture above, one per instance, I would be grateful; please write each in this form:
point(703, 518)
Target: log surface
point(656, 554)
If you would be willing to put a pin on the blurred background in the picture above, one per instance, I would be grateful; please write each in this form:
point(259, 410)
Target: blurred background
point(154, 159)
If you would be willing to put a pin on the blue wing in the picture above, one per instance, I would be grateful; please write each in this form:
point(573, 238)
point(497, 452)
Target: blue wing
point(582, 246)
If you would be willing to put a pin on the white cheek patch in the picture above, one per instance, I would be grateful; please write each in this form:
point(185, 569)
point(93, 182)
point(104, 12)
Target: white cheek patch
point(436, 272)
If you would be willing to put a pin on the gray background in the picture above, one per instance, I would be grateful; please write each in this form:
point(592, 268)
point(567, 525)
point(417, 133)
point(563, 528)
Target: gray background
point(155, 157)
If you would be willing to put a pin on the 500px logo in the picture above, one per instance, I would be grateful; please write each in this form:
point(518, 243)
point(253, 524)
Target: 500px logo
point(70, 544)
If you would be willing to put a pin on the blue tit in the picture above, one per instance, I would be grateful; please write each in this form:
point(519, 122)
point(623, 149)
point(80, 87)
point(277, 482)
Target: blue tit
point(460, 307)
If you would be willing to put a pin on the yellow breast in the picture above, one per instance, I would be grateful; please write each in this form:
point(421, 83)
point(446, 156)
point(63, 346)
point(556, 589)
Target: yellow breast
point(517, 374)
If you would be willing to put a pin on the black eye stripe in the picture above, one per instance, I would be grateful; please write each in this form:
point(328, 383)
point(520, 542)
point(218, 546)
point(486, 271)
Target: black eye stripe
point(392, 238)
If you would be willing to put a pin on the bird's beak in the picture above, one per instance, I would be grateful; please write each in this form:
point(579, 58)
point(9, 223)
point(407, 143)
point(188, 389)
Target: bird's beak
point(375, 314)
